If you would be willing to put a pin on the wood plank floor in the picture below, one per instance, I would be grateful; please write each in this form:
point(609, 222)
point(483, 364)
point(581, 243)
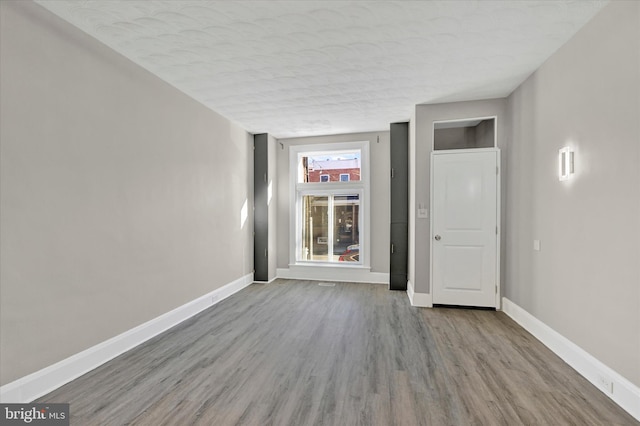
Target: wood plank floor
point(296, 353)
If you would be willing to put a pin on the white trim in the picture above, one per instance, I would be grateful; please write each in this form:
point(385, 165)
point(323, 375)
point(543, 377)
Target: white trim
point(498, 221)
point(333, 273)
point(622, 392)
point(35, 385)
point(420, 300)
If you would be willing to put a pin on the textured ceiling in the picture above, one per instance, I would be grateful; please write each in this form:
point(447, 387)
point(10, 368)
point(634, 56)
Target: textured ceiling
point(302, 68)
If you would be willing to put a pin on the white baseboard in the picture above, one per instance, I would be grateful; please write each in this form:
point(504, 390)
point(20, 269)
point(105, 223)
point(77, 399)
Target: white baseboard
point(421, 300)
point(620, 390)
point(35, 385)
point(332, 273)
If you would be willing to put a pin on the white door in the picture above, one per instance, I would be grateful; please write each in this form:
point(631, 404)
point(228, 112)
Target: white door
point(464, 242)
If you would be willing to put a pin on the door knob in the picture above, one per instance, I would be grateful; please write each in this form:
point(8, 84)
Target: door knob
point(437, 237)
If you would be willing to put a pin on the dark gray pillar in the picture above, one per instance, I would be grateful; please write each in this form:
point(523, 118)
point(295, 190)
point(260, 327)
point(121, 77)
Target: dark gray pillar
point(399, 206)
point(261, 208)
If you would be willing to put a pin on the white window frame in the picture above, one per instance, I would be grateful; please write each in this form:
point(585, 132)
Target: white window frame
point(347, 175)
point(297, 189)
point(325, 181)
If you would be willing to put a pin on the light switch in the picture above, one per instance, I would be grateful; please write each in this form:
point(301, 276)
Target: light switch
point(536, 245)
point(422, 211)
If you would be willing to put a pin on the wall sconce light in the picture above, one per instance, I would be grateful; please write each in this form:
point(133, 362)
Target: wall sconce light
point(565, 163)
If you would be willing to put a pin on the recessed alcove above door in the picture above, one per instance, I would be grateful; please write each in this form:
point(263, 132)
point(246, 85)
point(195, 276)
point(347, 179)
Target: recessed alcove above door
point(464, 134)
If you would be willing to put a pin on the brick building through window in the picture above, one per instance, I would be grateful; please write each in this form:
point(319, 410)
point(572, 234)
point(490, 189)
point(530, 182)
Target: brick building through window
point(335, 169)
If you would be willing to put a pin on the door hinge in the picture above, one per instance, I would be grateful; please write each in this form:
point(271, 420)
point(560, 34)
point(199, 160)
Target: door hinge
point(392, 248)
point(496, 289)
point(265, 253)
point(496, 230)
point(392, 172)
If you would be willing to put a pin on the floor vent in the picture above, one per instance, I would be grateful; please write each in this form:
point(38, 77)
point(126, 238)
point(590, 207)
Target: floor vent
point(327, 284)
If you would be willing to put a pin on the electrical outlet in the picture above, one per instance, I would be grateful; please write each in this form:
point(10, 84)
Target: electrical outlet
point(605, 383)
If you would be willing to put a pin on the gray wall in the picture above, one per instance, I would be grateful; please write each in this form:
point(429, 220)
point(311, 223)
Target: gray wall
point(484, 134)
point(380, 169)
point(273, 205)
point(413, 205)
point(120, 196)
point(585, 280)
point(420, 147)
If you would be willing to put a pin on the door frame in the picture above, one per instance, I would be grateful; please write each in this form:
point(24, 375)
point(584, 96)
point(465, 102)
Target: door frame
point(498, 219)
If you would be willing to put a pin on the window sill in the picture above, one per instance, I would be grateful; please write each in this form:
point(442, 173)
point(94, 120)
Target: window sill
point(326, 265)
point(329, 272)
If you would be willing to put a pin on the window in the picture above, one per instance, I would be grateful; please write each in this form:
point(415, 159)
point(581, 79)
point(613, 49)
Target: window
point(329, 193)
point(329, 166)
point(330, 224)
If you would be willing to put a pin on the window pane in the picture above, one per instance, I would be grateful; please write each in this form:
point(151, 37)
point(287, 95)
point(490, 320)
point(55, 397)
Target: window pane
point(330, 166)
point(315, 228)
point(346, 242)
